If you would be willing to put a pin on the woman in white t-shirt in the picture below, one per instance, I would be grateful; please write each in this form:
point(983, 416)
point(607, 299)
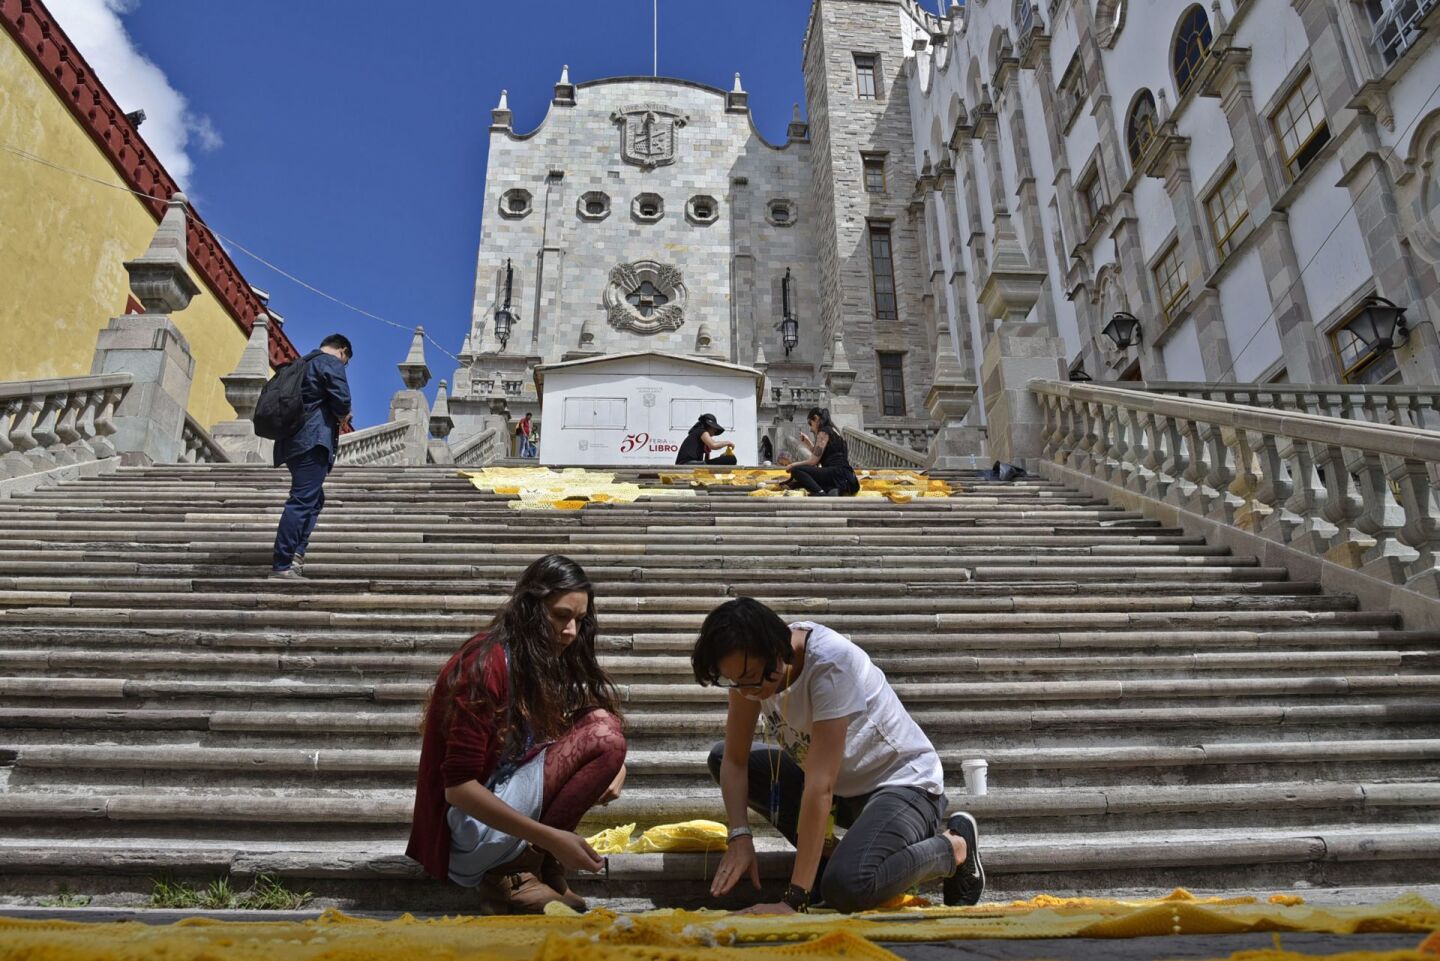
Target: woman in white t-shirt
point(842, 739)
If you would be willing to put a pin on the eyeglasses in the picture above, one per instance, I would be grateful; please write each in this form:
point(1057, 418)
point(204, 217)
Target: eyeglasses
point(765, 678)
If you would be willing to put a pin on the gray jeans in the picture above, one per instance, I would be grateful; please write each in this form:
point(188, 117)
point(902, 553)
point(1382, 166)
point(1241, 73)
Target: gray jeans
point(892, 839)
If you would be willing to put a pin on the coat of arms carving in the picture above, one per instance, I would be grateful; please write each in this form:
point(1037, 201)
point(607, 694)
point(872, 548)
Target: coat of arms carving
point(648, 135)
point(646, 296)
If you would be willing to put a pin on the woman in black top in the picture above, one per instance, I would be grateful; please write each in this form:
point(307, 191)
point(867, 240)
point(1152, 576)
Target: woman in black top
point(827, 470)
point(697, 445)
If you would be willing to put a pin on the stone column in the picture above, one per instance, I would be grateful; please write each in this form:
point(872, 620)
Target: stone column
point(242, 390)
point(1306, 358)
point(409, 405)
point(149, 422)
point(962, 336)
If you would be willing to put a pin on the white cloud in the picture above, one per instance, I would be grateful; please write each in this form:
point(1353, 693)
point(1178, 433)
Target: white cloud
point(171, 128)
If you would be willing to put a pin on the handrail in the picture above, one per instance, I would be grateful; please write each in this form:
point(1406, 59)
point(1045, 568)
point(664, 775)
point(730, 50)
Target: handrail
point(200, 447)
point(1397, 404)
point(477, 450)
point(381, 444)
point(13, 389)
point(1323, 485)
point(868, 451)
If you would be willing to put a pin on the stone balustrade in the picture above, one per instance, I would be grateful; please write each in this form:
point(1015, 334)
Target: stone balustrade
point(916, 438)
point(872, 452)
point(480, 450)
point(48, 424)
point(381, 445)
point(1406, 405)
point(1351, 491)
point(198, 447)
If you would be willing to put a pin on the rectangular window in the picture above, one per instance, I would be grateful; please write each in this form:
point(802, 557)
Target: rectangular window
point(892, 384)
point(1226, 207)
point(1300, 125)
point(882, 270)
point(865, 79)
point(1172, 278)
point(1071, 92)
point(1092, 201)
point(874, 173)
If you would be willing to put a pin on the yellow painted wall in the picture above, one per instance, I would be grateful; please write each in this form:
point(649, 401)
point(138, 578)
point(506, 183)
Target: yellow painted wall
point(63, 240)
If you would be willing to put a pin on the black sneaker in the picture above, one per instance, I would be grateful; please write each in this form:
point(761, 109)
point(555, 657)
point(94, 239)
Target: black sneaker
point(967, 884)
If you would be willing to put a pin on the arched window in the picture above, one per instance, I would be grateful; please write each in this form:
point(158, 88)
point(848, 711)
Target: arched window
point(1192, 44)
point(1109, 21)
point(1140, 127)
point(1024, 16)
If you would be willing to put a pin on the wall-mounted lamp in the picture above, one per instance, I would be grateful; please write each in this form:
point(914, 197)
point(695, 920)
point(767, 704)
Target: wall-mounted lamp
point(1380, 325)
point(504, 319)
point(1123, 330)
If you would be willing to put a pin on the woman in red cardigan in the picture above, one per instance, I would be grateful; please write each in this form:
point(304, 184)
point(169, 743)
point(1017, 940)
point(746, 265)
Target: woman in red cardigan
point(521, 738)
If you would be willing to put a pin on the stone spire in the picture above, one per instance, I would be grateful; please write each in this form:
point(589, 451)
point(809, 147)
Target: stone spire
point(501, 116)
point(159, 278)
point(737, 100)
point(564, 90)
point(441, 423)
point(798, 129)
point(244, 383)
point(413, 370)
point(841, 376)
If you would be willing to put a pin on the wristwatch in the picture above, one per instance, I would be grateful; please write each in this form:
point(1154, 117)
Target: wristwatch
point(797, 898)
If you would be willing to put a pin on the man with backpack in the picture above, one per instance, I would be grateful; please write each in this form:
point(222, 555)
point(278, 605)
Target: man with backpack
point(306, 424)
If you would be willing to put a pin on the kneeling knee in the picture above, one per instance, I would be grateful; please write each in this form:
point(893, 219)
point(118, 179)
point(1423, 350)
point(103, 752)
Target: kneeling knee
point(716, 758)
point(845, 892)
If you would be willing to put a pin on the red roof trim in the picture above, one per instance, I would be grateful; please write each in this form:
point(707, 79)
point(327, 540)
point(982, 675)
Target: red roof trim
point(37, 33)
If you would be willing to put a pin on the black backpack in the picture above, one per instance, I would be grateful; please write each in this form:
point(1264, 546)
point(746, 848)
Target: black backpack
point(280, 412)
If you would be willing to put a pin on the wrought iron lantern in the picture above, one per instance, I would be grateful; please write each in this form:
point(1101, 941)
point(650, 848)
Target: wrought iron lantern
point(789, 324)
point(1078, 376)
point(1123, 330)
point(504, 319)
point(1380, 325)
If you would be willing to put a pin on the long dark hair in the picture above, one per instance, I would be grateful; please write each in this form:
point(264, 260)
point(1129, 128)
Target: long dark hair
point(826, 424)
point(547, 691)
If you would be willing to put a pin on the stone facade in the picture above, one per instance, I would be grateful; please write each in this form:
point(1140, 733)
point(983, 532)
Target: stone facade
point(1117, 214)
point(649, 214)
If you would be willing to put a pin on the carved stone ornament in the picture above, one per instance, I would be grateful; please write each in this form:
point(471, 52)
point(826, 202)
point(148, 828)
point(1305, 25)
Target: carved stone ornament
point(646, 297)
point(648, 135)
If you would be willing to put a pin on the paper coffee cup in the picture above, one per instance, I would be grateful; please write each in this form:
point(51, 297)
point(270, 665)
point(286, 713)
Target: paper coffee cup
point(975, 775)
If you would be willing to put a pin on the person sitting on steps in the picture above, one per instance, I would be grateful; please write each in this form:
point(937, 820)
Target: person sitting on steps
point(521, 737)
point(827, 471)
point(697, 445)
point(842, 739)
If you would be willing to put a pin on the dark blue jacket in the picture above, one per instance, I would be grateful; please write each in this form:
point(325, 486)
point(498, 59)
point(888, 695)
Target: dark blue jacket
point(326, 393)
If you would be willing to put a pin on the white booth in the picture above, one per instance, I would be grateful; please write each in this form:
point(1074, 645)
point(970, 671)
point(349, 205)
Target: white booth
point(635, 409)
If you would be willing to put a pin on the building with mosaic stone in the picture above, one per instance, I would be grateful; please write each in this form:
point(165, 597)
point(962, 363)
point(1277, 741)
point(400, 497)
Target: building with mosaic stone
point(1240, 179)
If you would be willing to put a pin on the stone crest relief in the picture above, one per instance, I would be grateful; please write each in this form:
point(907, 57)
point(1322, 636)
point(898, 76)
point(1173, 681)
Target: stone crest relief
point(648, 135)
point(646, 296)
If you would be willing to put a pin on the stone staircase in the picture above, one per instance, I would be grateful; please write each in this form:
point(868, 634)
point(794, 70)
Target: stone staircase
point(1154, 711)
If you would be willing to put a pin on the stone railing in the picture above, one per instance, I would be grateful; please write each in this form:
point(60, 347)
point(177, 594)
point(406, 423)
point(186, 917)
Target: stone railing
point(199, 446)
point(872, 452)
point(806, 397)
point(48, 424)
point(1407, 406)
point(383, 444)
point(480, 450)
point(915, 438)
point(1354, 493)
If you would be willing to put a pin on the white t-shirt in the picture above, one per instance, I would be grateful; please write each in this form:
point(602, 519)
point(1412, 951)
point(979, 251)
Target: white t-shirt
point(884, 747)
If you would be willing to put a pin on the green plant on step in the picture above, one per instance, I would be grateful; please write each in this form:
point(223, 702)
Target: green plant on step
point(66, 898)
point(166, 892)
point(268, 893)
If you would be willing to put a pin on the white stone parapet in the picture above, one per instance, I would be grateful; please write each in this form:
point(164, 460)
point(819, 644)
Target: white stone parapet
point(48, 424)
point(383, 444)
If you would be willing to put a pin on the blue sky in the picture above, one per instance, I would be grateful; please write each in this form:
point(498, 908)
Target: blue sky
point(346, 142)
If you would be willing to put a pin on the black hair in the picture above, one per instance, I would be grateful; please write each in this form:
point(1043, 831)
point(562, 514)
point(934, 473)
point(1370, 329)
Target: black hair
point(743, 624)
point(340, 341)
point(826, 424)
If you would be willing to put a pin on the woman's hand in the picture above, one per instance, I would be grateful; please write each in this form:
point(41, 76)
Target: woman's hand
point(779, 907)
point(738, 861)
point(573, 852)
point(613, 791)
point(805, 439)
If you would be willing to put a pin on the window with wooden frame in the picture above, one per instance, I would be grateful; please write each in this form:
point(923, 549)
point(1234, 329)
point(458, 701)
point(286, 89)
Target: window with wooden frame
point(1172, 279)
point(874, 164)
point(1300, 125)
point(1140, 127)
point(882, 272)
point(867, 76)
point(1227, 211)
point(892, 384)
point(1092, 197)
point(1071, 93)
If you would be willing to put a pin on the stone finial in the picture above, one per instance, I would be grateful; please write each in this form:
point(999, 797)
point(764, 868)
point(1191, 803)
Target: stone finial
point(587, 335)
point(467, 350)
point(565, 73)
point(243, 385)
point(564, 90)
point(441, 423)
point(762, 363)
point(737, 88)
point(841, 376)
point(1164, 111)
point(1217, 17)
point(798, 129)
point(413, 370)
point(159, 278)
point(501, 116)
point(737, 100)
point(498, 400)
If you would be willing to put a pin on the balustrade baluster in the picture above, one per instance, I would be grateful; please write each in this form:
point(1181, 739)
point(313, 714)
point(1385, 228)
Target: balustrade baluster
point(1248, 511)
point(1156, 483)
point(103, 403)
point(1313, 533)
point(1421, 530)
point(1200, 494)
point(1114, 453)
point(1342, 508)
point(46, 430)
point(1133, 472)
point(1176, 466)
point(69, 429)
point(1220, 475)
point(1380, 520)
point(1275, 487)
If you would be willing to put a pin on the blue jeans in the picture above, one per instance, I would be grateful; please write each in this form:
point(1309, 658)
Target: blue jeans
point(307, 499)
point(892, 842)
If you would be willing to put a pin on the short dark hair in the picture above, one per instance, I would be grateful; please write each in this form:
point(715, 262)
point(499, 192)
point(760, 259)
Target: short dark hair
point(743, 624)
point(339, 340)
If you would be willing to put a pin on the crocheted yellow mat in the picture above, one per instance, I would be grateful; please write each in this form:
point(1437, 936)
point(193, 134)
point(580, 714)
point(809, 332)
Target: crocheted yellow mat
point(714, 935)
